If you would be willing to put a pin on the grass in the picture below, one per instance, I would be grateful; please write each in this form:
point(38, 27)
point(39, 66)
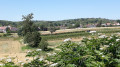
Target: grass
point(27, 48)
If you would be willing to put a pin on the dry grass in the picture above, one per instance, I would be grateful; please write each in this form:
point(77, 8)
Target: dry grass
point(11, 48)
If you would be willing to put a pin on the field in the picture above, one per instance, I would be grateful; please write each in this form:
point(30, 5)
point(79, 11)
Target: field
point(12, 47)
point(78, 33)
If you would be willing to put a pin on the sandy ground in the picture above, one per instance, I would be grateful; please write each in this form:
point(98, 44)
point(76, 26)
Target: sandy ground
point(12, 49)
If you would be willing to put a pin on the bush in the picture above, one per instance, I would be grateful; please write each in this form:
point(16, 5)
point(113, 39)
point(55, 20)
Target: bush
point(33, 39)
point(43, 44)
point(35, 63)
point(103, 51)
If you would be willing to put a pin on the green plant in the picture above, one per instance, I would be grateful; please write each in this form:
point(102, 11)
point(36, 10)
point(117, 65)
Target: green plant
point(43, 44)
point(33, 39)
point(103, 51)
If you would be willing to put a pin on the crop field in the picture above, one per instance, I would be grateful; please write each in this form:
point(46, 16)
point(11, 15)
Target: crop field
point(78, 33)
point(79, 29)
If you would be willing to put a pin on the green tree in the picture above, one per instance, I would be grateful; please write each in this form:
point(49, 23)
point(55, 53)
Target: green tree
point(118, 21)
point(8, 30)
point(52, 29)
point(30, 31)
point(28, 25)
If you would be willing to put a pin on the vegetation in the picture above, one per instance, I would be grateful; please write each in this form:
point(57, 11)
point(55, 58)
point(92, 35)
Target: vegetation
point(70, 23)
point(30, 31)
point(94, 52)
point(43, 44)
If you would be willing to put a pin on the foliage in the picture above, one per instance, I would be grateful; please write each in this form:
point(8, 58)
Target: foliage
point(30, 31)
point(103, 51)
point(27, 26)
point(33, 39)
point(52, 29)
point(7, 62)
point(35, 63)
point(43, 44)
point(8, 30)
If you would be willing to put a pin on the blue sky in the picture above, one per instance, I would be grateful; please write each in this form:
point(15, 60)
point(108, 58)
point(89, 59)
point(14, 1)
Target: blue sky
point(13, 10)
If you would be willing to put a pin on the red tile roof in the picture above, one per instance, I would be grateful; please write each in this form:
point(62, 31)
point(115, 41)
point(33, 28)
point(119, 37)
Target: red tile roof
point(3, 28)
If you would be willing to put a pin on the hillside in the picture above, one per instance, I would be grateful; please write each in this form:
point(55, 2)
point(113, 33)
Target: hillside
point(70, 23)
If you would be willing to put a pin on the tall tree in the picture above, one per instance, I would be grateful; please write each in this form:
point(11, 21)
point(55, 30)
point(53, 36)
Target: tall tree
point(30, 31)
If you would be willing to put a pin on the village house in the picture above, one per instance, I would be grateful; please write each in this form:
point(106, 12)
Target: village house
point(116, 24)
point(91, 25)
point(3, 29)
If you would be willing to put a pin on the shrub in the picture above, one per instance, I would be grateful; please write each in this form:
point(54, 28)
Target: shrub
point(103, 51)
point(35, 63)
point(33, 39)
point(43, 44)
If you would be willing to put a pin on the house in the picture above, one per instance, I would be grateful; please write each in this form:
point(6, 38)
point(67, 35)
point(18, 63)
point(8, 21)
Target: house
point(116, 24)
point(108, 24)
point(3, 29)
point(90, 25)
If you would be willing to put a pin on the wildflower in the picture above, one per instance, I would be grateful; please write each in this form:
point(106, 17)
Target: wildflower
point(9, 60)
point(106, 45)
point(117, 39)
point(103, 56)
point(84, 37)
point(99, 33)
point(29, 51)
point(26, 59)
point(39, 50)
point(69, 39)
point(89, 38)
point(19, 61)
point(22, 63)
point(41, 59)
point(102, 36)
point(100, 53)
point(1, 59)
point(1, 64)
point(92, 32)
point(54, 53)
point(111, 37)
point(25, 44)
point(101, 48)
point(53, 64)
point(49, 54)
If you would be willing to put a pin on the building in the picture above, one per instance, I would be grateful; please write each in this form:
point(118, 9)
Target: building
point(3, 29)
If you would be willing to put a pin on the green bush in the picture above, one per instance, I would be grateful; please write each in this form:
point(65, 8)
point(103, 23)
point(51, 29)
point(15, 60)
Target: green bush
point(103, 51)
point(43, 44)
point(35, 63)
point(33, 39)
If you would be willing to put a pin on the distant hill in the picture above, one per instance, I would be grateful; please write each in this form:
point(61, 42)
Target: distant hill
point(70, 23)
point(6, 23)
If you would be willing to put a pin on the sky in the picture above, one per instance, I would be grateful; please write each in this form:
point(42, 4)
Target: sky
point(53, 10)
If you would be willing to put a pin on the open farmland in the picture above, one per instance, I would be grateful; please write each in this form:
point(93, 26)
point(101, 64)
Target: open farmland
point(78, 33)
point(80, 29)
